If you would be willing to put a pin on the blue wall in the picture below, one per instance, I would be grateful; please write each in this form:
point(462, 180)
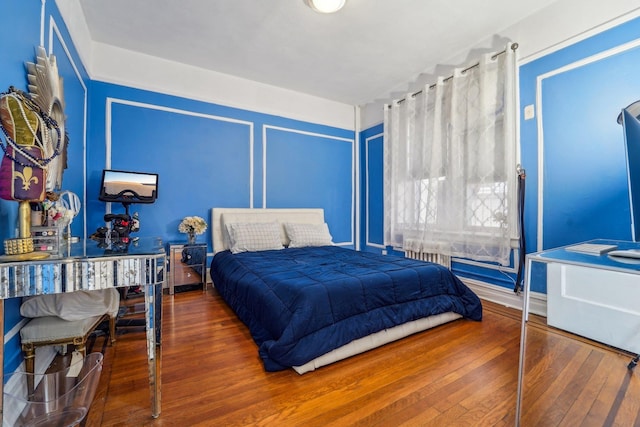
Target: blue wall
point(210, 155)
point(14, 51)
point(20, 33)
point(579, 92)
point(206, 155)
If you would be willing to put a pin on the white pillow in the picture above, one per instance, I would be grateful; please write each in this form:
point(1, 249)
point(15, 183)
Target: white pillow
point(73, 305)
point(250, 237)
point(302, 235)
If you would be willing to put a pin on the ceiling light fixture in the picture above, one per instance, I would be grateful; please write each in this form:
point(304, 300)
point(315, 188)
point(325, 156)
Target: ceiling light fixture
point(325, 6)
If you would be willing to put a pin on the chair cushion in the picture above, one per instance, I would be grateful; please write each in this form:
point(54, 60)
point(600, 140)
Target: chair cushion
point(52, 328)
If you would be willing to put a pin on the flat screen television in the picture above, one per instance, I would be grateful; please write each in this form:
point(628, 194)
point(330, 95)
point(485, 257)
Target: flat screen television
point(128, 187)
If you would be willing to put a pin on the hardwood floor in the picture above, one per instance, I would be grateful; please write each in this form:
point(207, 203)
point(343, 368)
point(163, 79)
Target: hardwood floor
point(571, 381)
point(460, 374)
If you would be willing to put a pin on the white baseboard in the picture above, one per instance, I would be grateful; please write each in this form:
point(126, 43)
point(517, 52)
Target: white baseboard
point(506, 297)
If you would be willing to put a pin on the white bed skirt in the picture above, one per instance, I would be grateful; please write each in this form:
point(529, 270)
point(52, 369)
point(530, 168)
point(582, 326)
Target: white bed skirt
point(376, 340)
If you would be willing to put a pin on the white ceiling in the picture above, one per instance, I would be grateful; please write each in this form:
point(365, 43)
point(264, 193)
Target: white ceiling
point(364, 52)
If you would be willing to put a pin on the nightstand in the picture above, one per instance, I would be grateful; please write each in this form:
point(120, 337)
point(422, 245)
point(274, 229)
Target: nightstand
point(187, 265)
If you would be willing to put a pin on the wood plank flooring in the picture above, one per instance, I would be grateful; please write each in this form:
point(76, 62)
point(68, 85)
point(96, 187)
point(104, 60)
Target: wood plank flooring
point(460, 374)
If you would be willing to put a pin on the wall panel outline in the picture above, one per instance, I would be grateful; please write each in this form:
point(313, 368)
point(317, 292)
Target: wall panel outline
point(351, 141)
point(110, 101)
point(367, 187)
point(591, 59)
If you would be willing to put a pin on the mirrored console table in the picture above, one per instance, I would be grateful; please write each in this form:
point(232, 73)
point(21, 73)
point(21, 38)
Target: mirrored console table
point(91, 265)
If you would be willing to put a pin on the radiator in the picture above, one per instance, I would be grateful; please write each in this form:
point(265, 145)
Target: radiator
point(430, 257)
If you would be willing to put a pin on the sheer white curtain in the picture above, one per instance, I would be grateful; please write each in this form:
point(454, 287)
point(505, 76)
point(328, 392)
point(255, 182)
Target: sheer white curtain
point(450, 164)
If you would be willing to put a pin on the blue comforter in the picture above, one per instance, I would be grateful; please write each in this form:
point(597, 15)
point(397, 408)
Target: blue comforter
point(300, 303)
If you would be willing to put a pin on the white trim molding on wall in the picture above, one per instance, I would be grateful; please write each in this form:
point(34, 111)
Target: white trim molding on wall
point(110, 101)
point(351, 141)
point(357, 209)
point(598, 17)
point(366, 201)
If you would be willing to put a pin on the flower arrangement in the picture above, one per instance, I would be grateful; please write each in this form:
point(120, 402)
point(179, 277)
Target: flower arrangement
point(192, 225)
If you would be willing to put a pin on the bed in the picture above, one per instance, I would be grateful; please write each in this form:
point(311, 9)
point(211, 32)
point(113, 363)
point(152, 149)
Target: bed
point(308, 303)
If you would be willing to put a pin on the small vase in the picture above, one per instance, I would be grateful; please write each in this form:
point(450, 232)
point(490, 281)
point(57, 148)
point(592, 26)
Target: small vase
point(191, 238)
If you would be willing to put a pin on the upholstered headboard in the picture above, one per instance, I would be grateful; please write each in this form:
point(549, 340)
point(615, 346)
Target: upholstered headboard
point(222, 216)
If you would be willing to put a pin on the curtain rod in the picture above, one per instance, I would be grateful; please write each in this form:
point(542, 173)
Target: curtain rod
point(514, 46)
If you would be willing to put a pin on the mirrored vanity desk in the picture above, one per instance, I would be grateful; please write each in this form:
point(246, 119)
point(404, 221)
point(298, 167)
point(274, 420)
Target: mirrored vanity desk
point(86, 265)
point(590, 295)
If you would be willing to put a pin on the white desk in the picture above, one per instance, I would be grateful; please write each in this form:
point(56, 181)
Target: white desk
point(86, 266)
point(595, 296)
